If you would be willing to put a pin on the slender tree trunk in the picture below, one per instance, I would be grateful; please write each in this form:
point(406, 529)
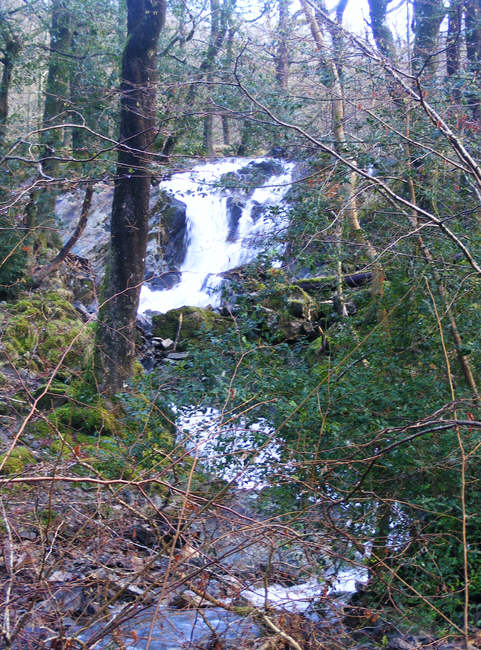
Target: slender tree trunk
point(9, 54)
point(44, 271)
point(282, 55)
point(220, 17)
point(427, 19)
point(115, 350)
point(473, 51)
point(337, 107)
point(56, 101)
point(453, 43)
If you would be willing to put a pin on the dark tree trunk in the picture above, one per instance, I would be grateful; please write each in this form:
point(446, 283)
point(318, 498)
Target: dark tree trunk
point(9, 54)
point(473, 51)
point(427, 19)
point(454, 37)
point(282, 56)
point(78, 74)
point(130, 209)
point(380, 30)
point(56, 102)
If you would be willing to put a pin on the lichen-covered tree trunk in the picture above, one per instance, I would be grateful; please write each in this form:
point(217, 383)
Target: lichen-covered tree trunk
point(381, 32)
point(130, 209)
point(220, 15)
point(453, 41)
point(56, 101)
point(473, 51)
point(428, 16)
point(282, 54)
point(9, 53)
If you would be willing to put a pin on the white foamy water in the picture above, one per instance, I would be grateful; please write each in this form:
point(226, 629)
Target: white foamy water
point(205, 435)
point(209, 250)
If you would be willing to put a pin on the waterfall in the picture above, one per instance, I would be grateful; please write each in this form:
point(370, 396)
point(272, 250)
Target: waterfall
point(226, 227)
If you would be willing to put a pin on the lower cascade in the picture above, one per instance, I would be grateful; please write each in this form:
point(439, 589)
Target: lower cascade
point(205, 222)
point(231, 207)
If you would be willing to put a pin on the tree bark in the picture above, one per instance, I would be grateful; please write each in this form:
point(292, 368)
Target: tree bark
point(282, 56)
point(56, 101)
point(115, 351)
point(473, 51)
point(380, 30)
point(9, 52)
point(427, 19)
point(453, 43)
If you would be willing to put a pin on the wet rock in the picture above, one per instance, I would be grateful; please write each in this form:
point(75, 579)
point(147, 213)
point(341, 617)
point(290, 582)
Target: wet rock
point(167, 243)
point(162, 343)
point(243, 182)
point(257, 211)
point(172, 629)
point(28, 534)
point(177, 356)
point(234, 214)
point(161, 281)
point(93, 243)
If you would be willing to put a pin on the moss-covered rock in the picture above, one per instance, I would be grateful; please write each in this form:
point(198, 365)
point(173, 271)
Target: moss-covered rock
point(190, 323)
point(92, 420)
point(56, 395)
point(38, 328)
point(18, 460)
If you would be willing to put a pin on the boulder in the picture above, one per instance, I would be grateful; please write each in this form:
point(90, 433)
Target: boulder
point(244, 181)
point(187, 324)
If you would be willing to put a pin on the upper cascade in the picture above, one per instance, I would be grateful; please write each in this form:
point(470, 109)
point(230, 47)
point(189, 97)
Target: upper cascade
point(231, 206)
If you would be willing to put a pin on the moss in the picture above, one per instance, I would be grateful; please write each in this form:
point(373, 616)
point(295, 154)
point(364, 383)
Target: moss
point(60, 446)
point(193, 321)
point(137, 369)
point(3, 379)
point(57, 394)
point(38, 328)
point(91, 420)
point(18, 460)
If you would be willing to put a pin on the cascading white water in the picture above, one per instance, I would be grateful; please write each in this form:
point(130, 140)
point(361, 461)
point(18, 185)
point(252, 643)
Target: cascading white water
point(211, 250)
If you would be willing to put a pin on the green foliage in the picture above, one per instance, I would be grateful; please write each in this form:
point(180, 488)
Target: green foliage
point(342, 394)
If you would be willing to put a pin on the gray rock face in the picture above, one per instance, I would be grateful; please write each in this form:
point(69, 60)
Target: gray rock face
point(168, 240)
point(234, 211)
point(94, 241)
point(167, 243)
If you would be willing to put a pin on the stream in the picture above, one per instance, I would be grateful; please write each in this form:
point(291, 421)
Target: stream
point(224, 213)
